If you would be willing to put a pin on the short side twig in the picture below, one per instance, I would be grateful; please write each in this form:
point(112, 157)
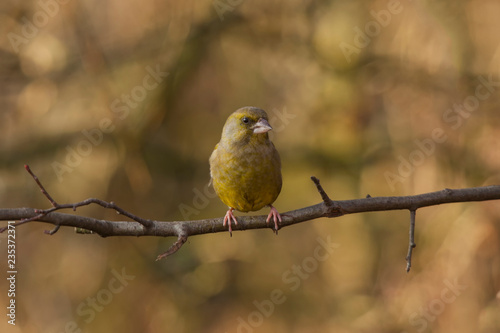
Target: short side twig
point(53, 231)
point(181, 239)
point(411, 244)
point(321, 191)
point(332, 208)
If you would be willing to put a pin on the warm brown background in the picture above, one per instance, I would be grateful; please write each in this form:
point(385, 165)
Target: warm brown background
point(351, 122)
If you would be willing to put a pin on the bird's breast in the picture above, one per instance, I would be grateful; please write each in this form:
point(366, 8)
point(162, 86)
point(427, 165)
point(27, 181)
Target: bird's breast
point(247, 177)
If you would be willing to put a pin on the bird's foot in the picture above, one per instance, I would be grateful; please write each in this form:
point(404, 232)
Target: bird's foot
point(276, 216)
point(227, 220)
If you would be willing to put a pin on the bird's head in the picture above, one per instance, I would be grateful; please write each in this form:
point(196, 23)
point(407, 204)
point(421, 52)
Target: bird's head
point(246, 125)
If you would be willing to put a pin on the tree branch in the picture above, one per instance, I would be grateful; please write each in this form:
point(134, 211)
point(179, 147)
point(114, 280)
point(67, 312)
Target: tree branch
point(183, 229)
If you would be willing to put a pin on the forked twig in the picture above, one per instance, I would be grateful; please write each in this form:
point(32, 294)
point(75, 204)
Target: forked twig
point(56, 206)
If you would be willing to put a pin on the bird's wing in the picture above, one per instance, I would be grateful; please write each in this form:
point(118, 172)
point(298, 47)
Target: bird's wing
point(210, 161)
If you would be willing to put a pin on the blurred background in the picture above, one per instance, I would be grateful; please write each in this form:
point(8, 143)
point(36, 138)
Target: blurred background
point(125, 100)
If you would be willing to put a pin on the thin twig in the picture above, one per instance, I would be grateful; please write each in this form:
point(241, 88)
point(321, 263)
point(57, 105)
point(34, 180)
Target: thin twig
point(53, 231)
point(411, 244)
point(322, 192)
point(47, 195)
point(174, 247)
point(331, 208)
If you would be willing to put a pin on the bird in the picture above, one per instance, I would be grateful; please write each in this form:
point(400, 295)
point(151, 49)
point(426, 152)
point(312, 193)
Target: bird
point(245, 167)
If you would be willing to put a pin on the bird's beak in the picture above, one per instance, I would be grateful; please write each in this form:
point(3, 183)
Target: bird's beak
point(262, 126)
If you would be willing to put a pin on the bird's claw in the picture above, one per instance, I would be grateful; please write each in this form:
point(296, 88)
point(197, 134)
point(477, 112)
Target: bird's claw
point(227, 220)
point(276, 216)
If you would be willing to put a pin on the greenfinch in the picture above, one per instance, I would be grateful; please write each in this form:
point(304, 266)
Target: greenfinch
point(245, 167)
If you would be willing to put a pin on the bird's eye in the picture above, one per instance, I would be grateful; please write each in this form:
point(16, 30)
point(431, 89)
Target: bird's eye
point(245, 120)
